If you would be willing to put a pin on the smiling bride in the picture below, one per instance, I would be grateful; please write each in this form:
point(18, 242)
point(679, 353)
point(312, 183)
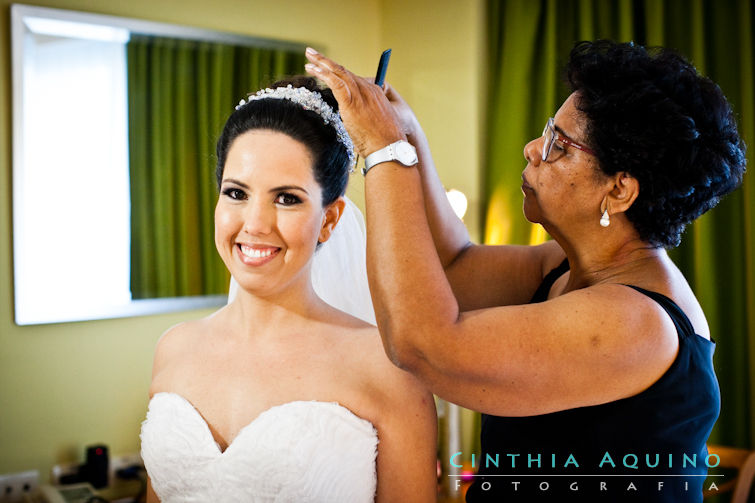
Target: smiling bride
point(279, 396)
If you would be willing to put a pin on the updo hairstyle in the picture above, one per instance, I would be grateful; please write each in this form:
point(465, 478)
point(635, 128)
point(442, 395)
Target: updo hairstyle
point(331, 159)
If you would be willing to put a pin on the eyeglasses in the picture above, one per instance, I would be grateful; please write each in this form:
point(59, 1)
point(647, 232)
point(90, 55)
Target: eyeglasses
point(550, 135)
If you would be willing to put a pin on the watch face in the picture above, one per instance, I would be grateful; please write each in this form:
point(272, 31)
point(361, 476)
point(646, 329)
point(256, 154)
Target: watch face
point(406, 153)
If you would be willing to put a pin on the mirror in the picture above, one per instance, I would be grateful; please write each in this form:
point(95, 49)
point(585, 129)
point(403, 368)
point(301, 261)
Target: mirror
point(114, 125)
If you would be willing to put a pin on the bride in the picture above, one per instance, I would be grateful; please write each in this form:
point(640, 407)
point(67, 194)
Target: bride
point(279, 396)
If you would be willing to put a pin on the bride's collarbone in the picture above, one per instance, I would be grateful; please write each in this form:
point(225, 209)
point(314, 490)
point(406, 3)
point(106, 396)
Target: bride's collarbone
point(266, 372)
point(287, 372)
point(231, 339)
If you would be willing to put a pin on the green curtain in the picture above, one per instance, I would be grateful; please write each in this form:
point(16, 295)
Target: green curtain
point(180, 94)
point(529, 41)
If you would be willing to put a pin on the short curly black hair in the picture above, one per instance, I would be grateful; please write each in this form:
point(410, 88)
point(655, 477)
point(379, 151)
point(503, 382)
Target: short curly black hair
point(650, 114)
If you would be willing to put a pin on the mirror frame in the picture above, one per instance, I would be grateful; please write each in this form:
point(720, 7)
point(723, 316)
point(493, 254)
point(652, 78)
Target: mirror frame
point(19, 14)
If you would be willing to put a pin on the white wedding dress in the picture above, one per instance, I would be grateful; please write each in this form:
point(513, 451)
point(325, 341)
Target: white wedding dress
point(303, 451)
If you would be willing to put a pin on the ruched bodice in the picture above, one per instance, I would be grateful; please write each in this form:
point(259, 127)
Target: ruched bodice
point(302, 451)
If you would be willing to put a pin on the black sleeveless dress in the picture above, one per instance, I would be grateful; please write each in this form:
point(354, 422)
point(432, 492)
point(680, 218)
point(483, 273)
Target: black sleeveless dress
point(650, 447)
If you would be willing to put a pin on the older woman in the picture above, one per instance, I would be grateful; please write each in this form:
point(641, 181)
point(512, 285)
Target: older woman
point(589, 356)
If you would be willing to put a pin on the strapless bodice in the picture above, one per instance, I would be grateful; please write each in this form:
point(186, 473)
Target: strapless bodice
point(302, 451)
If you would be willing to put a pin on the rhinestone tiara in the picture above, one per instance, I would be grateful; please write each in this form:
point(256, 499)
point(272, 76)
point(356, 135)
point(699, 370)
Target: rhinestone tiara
point(309, 100)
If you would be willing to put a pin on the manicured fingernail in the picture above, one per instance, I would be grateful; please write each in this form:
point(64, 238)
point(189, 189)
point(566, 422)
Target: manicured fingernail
point(311, 51)
point(312, 68)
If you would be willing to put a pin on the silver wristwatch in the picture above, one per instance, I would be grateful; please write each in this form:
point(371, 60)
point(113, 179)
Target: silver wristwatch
point(401, 151)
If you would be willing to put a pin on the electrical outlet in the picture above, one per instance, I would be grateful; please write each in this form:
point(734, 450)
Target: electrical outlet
point(14, 487)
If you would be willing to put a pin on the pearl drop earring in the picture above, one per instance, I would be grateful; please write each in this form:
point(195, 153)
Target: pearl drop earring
point(604, 220)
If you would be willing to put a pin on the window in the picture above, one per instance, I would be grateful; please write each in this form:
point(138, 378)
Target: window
point(72, 226)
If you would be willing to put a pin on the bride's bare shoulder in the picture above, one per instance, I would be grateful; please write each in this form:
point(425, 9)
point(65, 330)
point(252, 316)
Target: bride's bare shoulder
point(380, 378)
point(182, 339)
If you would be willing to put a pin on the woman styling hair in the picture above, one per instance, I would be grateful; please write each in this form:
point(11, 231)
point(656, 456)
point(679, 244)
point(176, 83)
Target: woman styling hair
point(591, 347)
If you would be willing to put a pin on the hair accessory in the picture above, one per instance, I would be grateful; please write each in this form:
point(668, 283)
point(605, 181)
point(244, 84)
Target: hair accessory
point(309, 100)
point(604, 220)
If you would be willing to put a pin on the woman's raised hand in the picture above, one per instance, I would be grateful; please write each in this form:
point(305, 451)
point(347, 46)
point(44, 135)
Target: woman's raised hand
point(409, 123)
point(369, 116)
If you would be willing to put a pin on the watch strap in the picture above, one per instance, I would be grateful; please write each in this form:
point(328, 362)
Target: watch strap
point(389, 153)
point(385, 154)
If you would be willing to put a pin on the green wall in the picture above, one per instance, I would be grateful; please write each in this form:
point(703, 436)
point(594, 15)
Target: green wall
point(65, 386)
